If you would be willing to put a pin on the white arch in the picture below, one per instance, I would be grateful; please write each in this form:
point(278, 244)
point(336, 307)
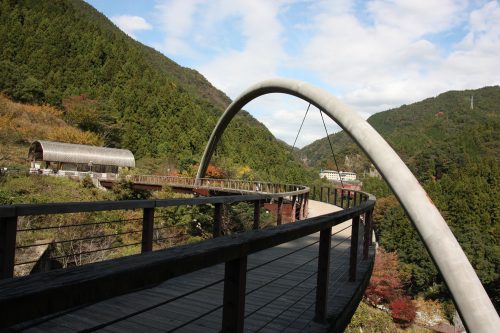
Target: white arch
point(473, 303)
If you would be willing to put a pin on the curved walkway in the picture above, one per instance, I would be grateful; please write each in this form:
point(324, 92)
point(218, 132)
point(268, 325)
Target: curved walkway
point(280, 294)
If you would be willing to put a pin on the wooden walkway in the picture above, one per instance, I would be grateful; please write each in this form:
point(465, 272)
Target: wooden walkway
point(280, 294)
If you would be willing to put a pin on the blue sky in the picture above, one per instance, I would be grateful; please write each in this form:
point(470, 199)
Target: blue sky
point(373, 55)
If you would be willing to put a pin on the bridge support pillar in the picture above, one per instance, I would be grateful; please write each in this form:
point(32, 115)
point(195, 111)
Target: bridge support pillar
point(279, 218)
point(233, 313)
point(323, 275)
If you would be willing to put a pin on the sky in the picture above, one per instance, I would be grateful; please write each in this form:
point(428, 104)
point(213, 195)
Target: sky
point(373, 55)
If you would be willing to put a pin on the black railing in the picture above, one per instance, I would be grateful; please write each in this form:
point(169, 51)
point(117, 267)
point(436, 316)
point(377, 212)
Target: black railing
point(76, 239)
point(61, 289)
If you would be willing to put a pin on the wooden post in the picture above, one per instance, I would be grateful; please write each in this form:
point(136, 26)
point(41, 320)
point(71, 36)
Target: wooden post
point(306, 204)
point(367, 234)
point(294, 209)
point(342, 198)
point(233, 313)
point(355, 199)
point(148, 217)
point(335, 197)
point(354, 249)
point(216, 228)
point(8, 230)
point(348, 199)
point(328, 195)
point(323, 276)
point(301, 207)
point(321, 194)
point(279, 218)
point(256, 214)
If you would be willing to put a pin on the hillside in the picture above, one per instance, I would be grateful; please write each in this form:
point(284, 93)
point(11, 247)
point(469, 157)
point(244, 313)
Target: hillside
point(454, 152)
point(68, 55)
point(430, 135)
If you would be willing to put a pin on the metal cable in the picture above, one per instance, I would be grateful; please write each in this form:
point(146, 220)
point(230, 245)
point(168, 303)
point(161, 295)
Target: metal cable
point(78, 225)
point(331, 148)
point(80, 239)
point(295, 141)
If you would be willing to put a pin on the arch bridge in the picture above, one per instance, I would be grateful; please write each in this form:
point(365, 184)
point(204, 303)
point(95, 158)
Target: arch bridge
point(303, 276)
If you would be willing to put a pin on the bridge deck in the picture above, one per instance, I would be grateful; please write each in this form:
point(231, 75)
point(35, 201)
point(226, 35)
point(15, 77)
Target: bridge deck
point(280, 294)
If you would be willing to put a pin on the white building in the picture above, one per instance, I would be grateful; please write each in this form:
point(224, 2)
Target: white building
point(334, 175)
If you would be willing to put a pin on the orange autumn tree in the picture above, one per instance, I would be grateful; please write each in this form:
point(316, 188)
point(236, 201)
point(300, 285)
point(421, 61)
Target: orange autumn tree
point(215, 172)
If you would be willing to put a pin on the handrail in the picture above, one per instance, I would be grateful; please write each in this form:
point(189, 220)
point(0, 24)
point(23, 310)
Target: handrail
point(229, 185)
point(43, 294)
point(295, 194)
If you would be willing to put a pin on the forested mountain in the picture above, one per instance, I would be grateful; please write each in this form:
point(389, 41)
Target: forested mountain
point(66, 54)
point(429, 135)
point(454, 151)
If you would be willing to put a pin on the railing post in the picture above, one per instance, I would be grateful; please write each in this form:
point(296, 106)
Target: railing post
point(335, 197)
point(233, 313)
point(148, 218)
point(328, 195)
point(256, 215)
point(294, 209)
point(348, 199)
point(342, 198)
point(216, 227)
point(321, 194)
point(354, 249)
point(367, 233)
point(306, 204)
point(301, 207)
point(323, 275)
point(355, 199)
point(8, 230)
point(279, 218)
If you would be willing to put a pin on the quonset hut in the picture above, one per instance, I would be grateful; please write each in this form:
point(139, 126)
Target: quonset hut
point(67, 159)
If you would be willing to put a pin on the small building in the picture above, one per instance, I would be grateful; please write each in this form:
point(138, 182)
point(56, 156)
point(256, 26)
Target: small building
point(336, 175)
point(67, 159)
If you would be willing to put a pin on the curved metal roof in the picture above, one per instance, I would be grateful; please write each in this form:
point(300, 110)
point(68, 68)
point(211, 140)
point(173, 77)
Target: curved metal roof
point(76, 153)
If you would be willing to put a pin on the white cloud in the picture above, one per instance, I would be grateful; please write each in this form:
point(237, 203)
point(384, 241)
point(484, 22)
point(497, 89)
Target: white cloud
point(207, 32)
point(391, 58)
point(176, 21)
point(130, 24)
point(375, 55)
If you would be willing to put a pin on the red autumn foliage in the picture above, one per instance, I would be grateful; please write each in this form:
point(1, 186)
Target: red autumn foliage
point(403, 311)
point(214, 172)
point(385, 283)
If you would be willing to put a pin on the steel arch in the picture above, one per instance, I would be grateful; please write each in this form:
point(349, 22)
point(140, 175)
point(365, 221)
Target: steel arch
point(472, 302)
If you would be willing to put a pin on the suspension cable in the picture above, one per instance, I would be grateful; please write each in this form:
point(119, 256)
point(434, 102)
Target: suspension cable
point(300, 128)
point(331, 148)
